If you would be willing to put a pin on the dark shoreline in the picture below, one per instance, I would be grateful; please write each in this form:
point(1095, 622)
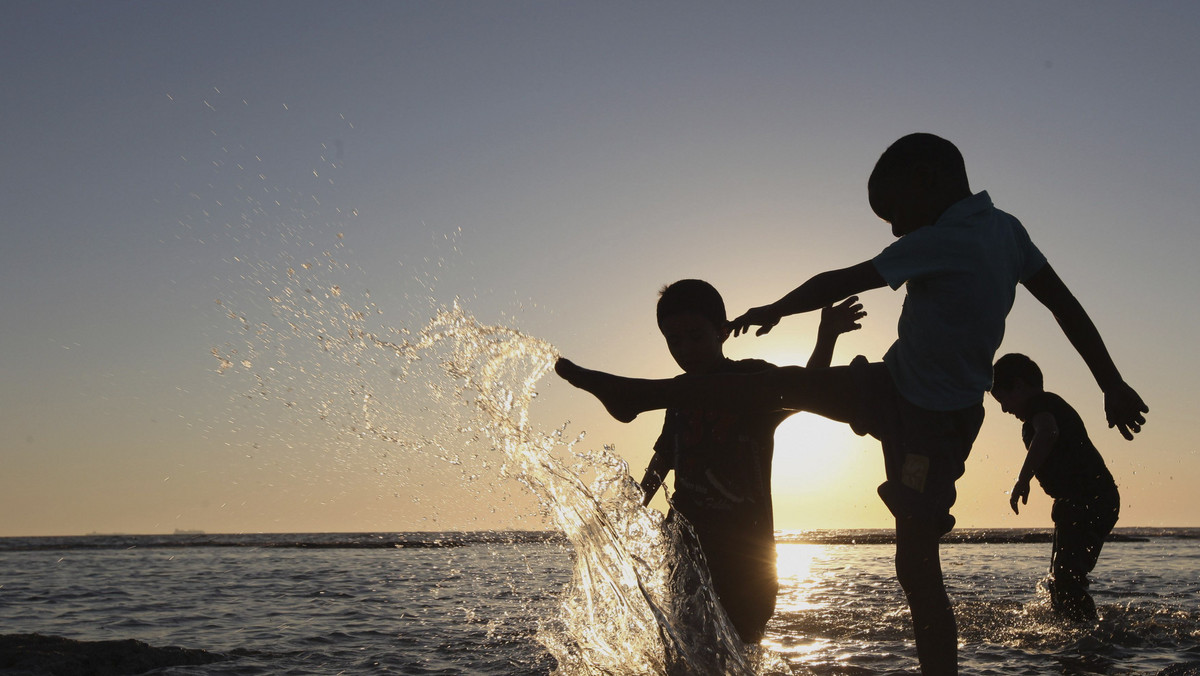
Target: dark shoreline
point(436, 540)
point(969, 536)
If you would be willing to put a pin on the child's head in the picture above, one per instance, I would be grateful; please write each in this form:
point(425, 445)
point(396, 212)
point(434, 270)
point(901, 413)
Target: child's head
point(915, 180)
point(691, 316)
point(1015, 378)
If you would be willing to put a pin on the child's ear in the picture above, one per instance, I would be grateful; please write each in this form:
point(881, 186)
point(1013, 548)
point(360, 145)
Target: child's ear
point(724, 331)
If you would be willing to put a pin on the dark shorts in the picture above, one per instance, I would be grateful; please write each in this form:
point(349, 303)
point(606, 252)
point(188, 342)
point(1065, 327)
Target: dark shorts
point(924, 452)
point(1080, 527)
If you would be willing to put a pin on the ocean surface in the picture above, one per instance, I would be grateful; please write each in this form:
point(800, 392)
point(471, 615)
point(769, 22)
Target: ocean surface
point(501, 603)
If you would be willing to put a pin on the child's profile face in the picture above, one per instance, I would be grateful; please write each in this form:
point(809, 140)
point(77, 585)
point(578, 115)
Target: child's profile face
point(694, 342)
point(1014, 400)
point(902, 201)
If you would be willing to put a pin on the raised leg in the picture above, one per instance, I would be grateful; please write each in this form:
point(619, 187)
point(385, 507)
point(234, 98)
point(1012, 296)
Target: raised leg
point(827, 392)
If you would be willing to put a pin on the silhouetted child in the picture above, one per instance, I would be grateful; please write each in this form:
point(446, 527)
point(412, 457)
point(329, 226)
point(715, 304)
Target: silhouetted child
point(1070, 470)
point(722, 457)
point(960, 260)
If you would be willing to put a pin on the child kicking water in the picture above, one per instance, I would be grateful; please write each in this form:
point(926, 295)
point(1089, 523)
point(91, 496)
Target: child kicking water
point(722, 457)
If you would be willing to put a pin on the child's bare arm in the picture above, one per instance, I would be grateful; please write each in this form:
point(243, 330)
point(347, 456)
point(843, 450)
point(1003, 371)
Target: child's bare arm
point(835, 320)
point(1045, 432)
point(1122, 405)
point(819, 291)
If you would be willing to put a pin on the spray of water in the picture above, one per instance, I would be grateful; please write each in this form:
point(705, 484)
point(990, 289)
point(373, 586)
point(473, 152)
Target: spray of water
point(638, 602)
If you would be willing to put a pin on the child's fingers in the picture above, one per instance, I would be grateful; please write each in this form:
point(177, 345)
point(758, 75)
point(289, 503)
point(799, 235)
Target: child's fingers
point(1129, 428)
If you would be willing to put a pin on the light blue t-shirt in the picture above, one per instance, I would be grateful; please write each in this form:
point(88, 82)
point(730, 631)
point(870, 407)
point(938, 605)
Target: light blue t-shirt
point(961, 275)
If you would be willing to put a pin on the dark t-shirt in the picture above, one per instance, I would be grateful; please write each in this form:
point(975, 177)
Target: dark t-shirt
point(722, 463)
point(1074, 468)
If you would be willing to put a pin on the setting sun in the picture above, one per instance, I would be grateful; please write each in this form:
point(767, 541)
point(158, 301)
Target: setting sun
point(809, 450)
point(824, 476)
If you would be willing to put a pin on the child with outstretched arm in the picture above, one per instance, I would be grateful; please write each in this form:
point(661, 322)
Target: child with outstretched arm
point(960, 259)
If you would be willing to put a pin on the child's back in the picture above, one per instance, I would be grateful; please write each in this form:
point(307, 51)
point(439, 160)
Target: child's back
point(961, 273)
point(1074, 469)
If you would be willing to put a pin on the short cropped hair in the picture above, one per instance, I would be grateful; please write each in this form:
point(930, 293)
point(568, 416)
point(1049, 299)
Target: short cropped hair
point(916, 149)
point(1010, 367)
point(692, 295)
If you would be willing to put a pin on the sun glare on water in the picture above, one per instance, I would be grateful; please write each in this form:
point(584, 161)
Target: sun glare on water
point(798, 594)
point(793, 565)
point(793, 562)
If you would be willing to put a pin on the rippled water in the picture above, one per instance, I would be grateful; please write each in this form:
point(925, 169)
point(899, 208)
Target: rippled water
point(461, 610)
point(846, 610)
point(337, 605)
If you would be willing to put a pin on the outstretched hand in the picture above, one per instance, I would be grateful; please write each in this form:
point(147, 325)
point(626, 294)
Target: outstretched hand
point(842, 318)
point(1124, 408)
point(765, 317)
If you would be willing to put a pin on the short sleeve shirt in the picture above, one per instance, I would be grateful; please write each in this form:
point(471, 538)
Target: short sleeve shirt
point(961, 275)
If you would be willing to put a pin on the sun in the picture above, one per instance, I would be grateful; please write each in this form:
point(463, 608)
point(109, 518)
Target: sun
point(810, 451)
point(824, 476)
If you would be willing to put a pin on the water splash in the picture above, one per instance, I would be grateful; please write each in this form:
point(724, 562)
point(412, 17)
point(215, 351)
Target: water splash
point(637, 602)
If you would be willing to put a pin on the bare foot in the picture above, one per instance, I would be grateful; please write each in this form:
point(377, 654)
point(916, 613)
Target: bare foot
point(604, 386)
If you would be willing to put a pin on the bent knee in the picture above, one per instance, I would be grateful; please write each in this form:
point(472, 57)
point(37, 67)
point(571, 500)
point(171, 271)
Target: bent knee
point(920, 575)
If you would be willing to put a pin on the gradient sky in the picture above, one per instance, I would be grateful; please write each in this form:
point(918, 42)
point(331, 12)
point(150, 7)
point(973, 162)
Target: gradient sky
point(552, 164)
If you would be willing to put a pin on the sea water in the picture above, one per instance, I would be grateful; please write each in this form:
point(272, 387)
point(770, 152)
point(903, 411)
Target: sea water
point(482, 603)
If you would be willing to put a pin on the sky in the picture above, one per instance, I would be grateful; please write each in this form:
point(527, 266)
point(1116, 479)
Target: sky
point(172, 171)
